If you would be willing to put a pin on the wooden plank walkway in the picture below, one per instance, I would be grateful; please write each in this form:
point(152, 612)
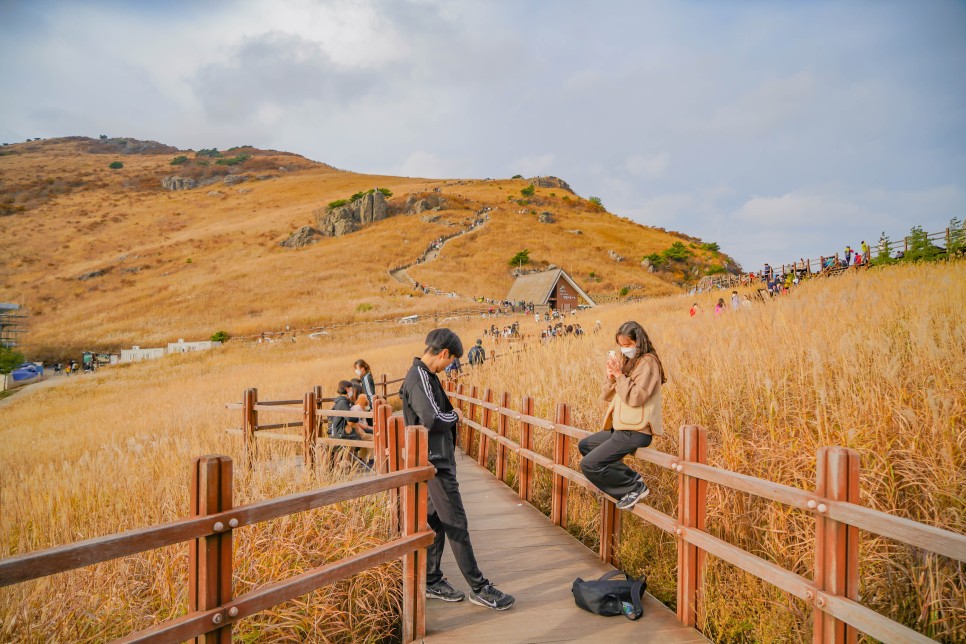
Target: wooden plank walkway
point(525, 555)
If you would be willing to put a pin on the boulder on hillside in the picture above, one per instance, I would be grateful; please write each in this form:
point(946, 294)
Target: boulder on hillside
point(551, 182)
point(348, 218)
point(233, 179)
point(576, 232)
point(416, 203)
point(546, 217)
point(178, 183)
point(302, 237)
point(615, 256)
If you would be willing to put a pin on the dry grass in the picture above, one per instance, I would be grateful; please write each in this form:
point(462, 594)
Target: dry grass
point(875, 362)
point(186, 264)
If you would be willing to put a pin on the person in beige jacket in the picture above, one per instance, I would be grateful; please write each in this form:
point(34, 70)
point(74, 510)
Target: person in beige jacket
point(633, 417)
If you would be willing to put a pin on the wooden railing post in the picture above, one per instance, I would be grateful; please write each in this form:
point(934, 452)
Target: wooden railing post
point(525, 465)
point(481, 456)
point(561, 456)
point(472, 415)
point(414, 501)
point(396, 445)
point(249, 425)
point(836, 544)
point(309, 429)
point(385, 386)
point(501, 428)
point(692, 514)
point(468, 440)
point(610, 529)
point(380, 430)
point(210, 558)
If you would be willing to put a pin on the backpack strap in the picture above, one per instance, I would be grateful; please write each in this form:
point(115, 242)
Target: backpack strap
point(611, 574)
point(637, 589)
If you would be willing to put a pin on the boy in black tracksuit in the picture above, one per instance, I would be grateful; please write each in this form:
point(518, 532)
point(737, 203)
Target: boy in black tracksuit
point(425, 403)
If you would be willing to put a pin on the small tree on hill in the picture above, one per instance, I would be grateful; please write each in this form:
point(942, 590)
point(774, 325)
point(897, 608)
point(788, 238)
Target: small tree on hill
point(957, 236)
point(517, 176)
point(597, 202)
point(521, 258)
point(884, 255)
point(220, 336)
point(920, 247)
point(528, 191)
point(117, 165)
point(9, 359)
point(178, 160)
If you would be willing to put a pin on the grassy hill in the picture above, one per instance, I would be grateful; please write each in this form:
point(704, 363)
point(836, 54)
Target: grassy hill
point(107, 258)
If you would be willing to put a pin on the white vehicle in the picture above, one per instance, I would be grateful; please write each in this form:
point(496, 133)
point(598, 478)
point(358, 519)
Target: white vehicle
point(317, 335)
point(409, 319)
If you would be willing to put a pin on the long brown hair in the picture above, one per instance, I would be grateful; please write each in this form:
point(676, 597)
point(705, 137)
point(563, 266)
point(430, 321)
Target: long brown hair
point(636, 332)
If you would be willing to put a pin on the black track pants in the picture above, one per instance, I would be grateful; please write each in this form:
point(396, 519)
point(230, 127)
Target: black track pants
point(603, 462)
point(447, 518)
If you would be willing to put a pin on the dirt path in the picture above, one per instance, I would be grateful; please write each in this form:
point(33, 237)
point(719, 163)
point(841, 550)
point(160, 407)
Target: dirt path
point(26, 390)
point(431, 254)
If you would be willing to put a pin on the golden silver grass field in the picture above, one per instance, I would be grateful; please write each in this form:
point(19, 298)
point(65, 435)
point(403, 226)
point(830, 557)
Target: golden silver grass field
point(873, 361)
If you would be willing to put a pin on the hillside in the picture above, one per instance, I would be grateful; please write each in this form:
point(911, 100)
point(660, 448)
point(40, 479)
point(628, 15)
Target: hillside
point(108, 257)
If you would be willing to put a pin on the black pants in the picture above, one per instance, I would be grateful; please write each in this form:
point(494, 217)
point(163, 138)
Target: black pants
point(603, 463)
point(447, 518)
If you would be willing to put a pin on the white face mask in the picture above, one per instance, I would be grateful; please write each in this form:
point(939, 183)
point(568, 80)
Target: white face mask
point(359, 372)
point(630, 352)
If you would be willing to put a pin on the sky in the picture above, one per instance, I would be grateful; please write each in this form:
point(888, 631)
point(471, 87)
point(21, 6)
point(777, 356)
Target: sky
point(777, 129)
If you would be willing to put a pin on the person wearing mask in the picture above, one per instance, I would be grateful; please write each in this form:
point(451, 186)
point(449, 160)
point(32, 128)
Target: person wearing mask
point(364, 373)
point(735, 301)
point(425, 403)
point(632, 389)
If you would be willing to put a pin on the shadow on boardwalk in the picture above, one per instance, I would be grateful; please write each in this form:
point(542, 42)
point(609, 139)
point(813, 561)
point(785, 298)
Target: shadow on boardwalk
point(523, 553)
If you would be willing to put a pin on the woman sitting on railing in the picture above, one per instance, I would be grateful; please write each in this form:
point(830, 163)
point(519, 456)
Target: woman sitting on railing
point(633, 417)
point(364, 373)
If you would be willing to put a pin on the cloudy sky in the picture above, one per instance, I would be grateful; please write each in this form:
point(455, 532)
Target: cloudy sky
point(778, 129)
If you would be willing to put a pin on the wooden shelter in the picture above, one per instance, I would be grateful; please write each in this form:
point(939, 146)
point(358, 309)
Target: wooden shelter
point(554, 289)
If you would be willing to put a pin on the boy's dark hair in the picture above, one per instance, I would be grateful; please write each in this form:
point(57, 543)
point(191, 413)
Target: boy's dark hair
point(343, 387)
point(439, 339)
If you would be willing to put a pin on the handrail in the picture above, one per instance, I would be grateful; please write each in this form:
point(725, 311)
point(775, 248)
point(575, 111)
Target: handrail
point(32, 565)
point(694, 473)
point(209, 533)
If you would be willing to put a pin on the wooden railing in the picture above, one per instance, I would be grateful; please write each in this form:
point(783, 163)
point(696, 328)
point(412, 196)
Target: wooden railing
point(312, 423)
point(212, 609)
point(834, 502)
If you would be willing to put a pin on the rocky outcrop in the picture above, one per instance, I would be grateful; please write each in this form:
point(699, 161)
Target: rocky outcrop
point(546, 217)
point(124, 145)
point(342, 220)
point(615, 256)
point(646, 264)
point(416, 204)
point(576, 232)
point(233, 179)
point(372, 207)
point(178, 183)
point(302, 237)
point(99, 273)
point(551, 182)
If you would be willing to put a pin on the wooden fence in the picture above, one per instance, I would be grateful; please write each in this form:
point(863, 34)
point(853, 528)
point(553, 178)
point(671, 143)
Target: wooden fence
point(314, 417)
point(834, 502)
point(812, 267)
point(212, 610)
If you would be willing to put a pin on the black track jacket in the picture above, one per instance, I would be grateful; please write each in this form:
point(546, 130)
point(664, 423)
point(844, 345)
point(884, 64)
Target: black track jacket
point(425, 403)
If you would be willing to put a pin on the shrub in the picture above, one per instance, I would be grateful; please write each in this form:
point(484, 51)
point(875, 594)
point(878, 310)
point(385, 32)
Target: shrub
point(241, 158)
point(517, 176)
point(116, 165)
point(712, 246)
point(187, 261)
point(884, 256)
point(220, 336)
point(364, 307)
point(714, 270)
point(678, 252)
point(654, 258)
point(528, 191)
point(103, 136)
point(957, 236)
point(210, 152)
point(386, 192)
point(521, 258)
point(178, 160)
point(624, 291)
point(239, 147)
point(338, 203)
point(597, 202)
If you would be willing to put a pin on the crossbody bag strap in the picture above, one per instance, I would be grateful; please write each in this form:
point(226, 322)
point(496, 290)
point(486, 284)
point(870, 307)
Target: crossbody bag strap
point(637, 589)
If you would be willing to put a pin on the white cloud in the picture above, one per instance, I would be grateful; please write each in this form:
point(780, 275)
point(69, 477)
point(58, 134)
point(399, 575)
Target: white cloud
point(425, 164)
point(651, 166)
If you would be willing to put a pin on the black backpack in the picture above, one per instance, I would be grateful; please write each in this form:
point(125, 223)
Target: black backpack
point(475, 356)
point(608, 596)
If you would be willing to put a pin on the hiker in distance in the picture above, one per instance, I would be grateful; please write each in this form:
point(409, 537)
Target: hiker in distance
point(632, 390)
point(425, 403)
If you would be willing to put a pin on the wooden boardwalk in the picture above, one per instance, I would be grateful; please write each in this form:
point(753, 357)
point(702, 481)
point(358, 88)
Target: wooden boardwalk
point(527, 556)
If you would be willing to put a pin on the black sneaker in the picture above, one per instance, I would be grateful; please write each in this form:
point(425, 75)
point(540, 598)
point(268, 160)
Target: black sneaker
point(442, 590)
point(492, 597)
point(629, 500)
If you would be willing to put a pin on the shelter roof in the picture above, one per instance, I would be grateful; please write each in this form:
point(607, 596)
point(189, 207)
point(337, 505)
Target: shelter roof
point(537, 287)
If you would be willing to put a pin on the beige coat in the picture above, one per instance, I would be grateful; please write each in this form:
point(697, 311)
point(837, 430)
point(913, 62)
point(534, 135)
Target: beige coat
point(638, 387)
